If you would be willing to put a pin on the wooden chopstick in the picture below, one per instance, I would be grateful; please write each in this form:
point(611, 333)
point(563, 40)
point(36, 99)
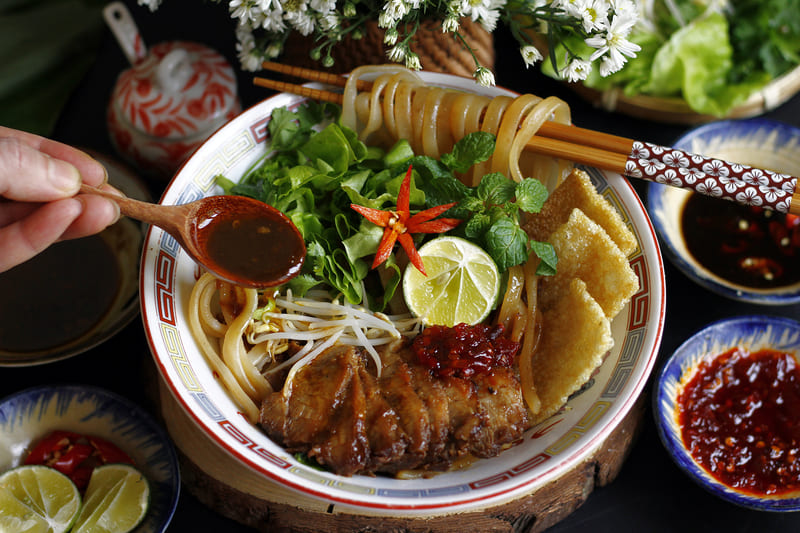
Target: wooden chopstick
point(706, 175)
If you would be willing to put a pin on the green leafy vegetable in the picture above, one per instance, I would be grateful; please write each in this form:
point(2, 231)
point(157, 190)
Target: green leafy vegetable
point(317, 172)
point(713, 55)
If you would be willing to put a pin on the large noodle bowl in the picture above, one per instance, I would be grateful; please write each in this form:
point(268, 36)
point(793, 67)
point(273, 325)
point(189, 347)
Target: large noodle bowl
point(271, 349)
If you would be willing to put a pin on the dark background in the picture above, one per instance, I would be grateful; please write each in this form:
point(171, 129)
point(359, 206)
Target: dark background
point(650, 494)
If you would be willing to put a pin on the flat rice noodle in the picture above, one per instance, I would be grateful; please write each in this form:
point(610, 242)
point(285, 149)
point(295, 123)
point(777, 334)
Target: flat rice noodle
point(366, 72)
point(490, 124)
point(546, 169)
point(446, 139)
point(429, 134)
point(403, 117)
point(389, 98)
point(507, 132)
point(375, 116)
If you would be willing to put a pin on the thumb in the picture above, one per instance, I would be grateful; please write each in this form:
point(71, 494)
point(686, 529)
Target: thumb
point(26, 174)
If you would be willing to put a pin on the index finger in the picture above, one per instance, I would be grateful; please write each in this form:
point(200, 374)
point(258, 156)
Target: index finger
point(90, 170)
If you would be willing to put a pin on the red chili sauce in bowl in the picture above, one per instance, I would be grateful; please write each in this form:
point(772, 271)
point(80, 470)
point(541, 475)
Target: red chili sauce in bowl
point(745, 245)
point(739, 417)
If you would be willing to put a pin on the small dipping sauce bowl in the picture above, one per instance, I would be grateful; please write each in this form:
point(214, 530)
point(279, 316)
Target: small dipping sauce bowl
point(740, 252)
point(77, 293)
point(690, 385)
point(30, 415)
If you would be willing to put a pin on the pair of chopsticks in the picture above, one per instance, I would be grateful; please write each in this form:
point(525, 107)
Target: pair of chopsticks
point(706, 175)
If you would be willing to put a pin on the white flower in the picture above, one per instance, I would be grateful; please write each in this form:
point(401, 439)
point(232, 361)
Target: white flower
point(577, 70)
point(273, 21)
point(299, 18)
point(614, 42)
point(390, 36)
point(676, 158)
point(412, 61)
point(152, 4)
point(249, 58)
point(450, 24)
point(397, 53)
point(245, 10)
point(709, 187)
point(715, 167)
point(323, 7)
point(484, 76)
point(329, 22)
point(749, 196)
point(530, 55)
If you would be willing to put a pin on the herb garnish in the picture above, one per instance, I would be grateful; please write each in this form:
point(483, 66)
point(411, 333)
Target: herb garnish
point(316, 174)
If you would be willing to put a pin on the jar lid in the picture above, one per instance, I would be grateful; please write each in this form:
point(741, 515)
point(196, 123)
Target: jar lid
point(179, 90)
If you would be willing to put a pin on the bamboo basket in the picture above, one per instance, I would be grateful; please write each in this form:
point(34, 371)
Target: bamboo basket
point(438, 51)
point(677, 111)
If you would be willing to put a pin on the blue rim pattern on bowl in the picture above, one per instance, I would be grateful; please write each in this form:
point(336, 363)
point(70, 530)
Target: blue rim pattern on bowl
point(753, 332)
point(28, 415)
point(706, 139)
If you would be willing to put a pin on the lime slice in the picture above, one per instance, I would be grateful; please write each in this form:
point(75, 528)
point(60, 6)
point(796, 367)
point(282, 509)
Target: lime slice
point(116, 500)
point(36, 498)
point(461, 286)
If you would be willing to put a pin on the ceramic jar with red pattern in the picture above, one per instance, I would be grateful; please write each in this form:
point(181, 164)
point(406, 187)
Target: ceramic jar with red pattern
point(168, 103)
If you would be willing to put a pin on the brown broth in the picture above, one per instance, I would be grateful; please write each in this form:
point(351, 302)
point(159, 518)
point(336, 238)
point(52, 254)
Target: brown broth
point(748, 246)
point(58, 296)
point(254, 247)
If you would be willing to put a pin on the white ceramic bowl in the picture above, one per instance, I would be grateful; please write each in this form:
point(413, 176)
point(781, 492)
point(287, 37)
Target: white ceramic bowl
point(548, 449)
point(760, 143)
point(749, 332)
point(29, 415)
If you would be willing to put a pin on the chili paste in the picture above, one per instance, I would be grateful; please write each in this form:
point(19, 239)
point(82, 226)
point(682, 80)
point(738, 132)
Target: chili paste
point(463, 350)
point(740, 420)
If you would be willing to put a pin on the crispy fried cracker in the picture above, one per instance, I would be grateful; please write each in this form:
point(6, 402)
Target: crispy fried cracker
point(586, 251)
point(575, 337)
point(577, 191)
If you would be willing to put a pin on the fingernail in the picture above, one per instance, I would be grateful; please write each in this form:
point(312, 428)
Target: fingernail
point(64, 176)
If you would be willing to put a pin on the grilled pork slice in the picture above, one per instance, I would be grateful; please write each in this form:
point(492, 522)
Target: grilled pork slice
point(338, 412)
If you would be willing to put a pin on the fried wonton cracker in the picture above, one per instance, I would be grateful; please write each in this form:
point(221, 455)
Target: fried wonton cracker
point(578, 191)
point(586, 251)
point(575, 337)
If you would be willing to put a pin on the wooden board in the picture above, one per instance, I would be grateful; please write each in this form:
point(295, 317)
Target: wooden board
point(232, 489)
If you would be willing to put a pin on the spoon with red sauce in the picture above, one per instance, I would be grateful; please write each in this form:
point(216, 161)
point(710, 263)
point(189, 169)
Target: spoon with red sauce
point(238, 239)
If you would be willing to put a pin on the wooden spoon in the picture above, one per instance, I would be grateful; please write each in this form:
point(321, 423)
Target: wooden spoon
point(238, 239)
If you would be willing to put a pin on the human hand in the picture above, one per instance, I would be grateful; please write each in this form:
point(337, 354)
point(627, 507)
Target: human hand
point(39, 200)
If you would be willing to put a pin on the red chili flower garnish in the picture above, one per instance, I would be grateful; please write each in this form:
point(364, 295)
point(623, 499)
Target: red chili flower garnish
point(399, 224)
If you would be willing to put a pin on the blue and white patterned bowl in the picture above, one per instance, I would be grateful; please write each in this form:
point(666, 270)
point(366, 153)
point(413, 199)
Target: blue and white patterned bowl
point(750, 332)
point(29, 415)
point(759, 142)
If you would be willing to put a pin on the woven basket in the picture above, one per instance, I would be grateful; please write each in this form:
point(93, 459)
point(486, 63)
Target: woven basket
point(438, 51)
point(677, 111)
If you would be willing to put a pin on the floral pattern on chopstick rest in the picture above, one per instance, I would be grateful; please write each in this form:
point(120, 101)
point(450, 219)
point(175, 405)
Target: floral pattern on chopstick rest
point(713, 177)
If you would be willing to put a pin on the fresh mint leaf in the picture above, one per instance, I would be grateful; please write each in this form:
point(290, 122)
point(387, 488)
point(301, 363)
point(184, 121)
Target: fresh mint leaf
point(531, 195)
point(477, 226)
point(507, 243)
point(473, 148)
point(547, 257)
point(496, 189)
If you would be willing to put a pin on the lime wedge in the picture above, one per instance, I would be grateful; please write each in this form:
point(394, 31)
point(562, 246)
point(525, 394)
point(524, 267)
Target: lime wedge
point(36, 498)
point(461, 286)
point(116, 500)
